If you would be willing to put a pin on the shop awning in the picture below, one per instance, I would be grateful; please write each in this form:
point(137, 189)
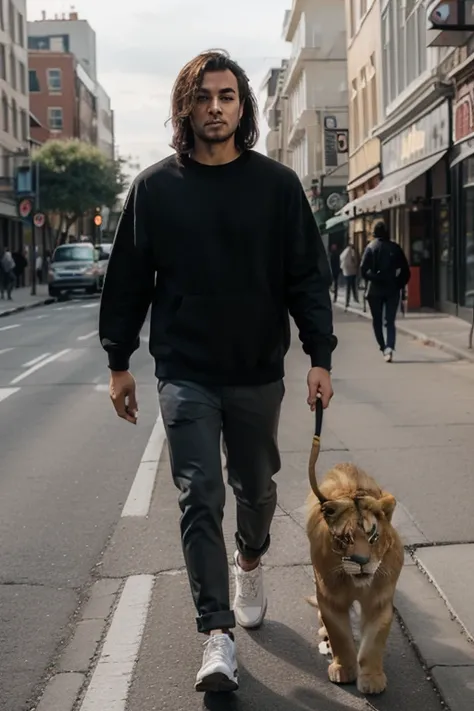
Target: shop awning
point(335, 221)
point(391, 191)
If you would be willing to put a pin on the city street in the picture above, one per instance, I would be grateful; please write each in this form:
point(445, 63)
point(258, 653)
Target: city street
point(96, 613)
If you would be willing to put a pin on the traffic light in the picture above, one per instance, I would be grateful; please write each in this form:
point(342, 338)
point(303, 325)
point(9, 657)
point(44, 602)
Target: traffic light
point(98, 220)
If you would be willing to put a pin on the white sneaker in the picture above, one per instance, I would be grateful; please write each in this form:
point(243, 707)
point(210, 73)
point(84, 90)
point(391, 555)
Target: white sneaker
point(388, 355)
point(250, 602)
point(219, 665)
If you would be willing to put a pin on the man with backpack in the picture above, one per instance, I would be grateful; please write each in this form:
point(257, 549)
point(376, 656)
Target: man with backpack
point(386, 271)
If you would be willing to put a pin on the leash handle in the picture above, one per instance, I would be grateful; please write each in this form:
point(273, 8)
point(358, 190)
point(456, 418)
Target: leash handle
point(318, 420)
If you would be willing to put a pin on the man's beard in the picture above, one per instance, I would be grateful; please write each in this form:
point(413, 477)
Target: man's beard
point(216, 138)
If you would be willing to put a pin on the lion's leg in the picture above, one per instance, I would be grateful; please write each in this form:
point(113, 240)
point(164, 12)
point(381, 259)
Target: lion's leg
point(343, 668)
point(375, 628)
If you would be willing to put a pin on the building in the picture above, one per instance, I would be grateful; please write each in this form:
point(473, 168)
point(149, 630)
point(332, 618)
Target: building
point(273, 112)
point(364, 66)
point(66, 33)
point(73, 39)
point(62, 97)
point(314, 102)
point(415, 137)
point(105, 123)
point(14, 115)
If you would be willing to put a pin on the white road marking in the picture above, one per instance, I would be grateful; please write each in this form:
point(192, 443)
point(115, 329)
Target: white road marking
point(5, 350)
point(35, 360)
point(90, 306)
point(102, 388)
point(110, 683)
point(139, 498)
point(88, 335)
point(8, 328)
point(145, 339)
point(6, 392)
point(36, 367)
point(36, 318)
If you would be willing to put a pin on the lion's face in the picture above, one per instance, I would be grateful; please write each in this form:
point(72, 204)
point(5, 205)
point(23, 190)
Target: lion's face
point(359, 529)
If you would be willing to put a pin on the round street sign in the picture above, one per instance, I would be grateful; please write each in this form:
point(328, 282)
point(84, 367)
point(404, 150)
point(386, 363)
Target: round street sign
point(25, 207)
point(39, 219)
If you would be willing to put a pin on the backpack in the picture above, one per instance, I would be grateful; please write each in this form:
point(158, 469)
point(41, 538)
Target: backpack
point(386, 261)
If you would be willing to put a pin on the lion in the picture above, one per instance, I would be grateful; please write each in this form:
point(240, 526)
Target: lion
point(357, 556)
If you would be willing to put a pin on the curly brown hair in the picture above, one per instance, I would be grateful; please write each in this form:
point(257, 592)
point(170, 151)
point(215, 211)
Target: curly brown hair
point(184, 95)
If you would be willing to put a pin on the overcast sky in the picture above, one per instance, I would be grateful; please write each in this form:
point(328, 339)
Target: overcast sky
point(142, 44)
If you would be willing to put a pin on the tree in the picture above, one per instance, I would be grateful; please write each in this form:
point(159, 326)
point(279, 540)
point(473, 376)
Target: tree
point(76, 178)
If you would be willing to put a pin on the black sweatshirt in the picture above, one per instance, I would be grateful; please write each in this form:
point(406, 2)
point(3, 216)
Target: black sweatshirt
point(222, 253)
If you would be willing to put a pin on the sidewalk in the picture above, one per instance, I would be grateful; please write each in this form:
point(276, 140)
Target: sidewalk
point(22, 299)
point(436, 329)
point(410, 425)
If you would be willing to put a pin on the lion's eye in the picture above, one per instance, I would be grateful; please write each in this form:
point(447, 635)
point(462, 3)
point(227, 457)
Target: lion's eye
point(373, 534)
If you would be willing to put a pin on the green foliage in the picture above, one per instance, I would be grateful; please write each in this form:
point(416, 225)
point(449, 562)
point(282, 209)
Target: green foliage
point(75, 178)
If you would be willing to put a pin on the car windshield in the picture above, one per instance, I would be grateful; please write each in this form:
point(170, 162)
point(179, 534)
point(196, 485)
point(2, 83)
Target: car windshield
point(74, 253)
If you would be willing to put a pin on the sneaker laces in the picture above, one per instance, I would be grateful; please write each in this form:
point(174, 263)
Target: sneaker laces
point(218, 645)
point(249, 584)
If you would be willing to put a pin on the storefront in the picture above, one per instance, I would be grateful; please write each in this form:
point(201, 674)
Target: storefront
point(456, 264)
point(413, 196)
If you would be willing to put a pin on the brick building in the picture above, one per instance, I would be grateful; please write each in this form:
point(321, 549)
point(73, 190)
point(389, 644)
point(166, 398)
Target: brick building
point(62, 97)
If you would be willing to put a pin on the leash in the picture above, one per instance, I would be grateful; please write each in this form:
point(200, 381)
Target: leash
point(315, 449)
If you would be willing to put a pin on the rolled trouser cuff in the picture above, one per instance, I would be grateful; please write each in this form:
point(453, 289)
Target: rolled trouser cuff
point(251, 553)
point(219, 620)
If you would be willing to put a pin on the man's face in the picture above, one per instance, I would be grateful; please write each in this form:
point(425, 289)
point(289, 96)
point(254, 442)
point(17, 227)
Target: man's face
point(218, 110)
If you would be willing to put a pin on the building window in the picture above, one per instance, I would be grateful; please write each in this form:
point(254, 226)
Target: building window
point(54, 80)
point(467, 246)
point(404, 50)
point(2, 17)
point(3, 62)
point(11, 21)
point(21, 30)
point(13, 79)
point(55, 118)
point(372, 77)
point(22, 72)
point(14, 119)
point(354, 116)
point(33, 81)
point(5, 114)
point(364, 100)
point(24, 125)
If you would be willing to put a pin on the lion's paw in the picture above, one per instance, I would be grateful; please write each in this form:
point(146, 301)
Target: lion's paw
point(341, 675)
point(371, 683)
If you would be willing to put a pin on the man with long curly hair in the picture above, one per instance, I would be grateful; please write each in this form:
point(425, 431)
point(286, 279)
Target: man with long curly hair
point(221, 241)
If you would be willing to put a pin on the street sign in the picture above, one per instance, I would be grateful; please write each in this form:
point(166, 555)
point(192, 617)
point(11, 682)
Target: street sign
point(39, 219)
point(25, 207)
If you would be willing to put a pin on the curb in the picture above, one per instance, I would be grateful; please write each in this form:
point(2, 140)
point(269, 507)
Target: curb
point(27, 307)
point(417, 336)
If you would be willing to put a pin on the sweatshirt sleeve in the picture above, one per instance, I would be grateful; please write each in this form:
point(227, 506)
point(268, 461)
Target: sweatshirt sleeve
point(308, 281)
point(129, 281)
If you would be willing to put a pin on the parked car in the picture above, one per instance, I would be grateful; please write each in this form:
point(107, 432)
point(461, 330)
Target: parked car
point(74, 268)
point(104, 254)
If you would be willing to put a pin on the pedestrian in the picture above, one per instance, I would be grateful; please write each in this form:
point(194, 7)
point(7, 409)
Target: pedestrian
point(7, 273)
point(222, 242)
point(335, 263)
point(350, 267)
point(385, 268)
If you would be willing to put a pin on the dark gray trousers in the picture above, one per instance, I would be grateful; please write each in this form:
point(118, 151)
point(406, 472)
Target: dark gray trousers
point(195, 417)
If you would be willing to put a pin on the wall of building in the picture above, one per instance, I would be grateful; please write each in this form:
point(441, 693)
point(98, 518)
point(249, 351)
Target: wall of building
point(364, 67)
point(54, 103)
point(105, 122)
point(14, 124)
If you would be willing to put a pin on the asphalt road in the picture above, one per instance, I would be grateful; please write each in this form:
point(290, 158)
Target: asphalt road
point(67, 468)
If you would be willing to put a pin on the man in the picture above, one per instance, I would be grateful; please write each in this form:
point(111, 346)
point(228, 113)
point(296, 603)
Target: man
point(385, 268)
point(335, 264)
point(222, 242)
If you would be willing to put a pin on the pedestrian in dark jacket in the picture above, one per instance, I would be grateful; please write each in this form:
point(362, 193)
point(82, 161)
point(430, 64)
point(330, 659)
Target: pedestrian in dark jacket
point(222, 243)
point(385, 268)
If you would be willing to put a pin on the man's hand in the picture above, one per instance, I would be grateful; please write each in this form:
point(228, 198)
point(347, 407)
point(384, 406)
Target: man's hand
point(319, 385)
point(122, 390)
